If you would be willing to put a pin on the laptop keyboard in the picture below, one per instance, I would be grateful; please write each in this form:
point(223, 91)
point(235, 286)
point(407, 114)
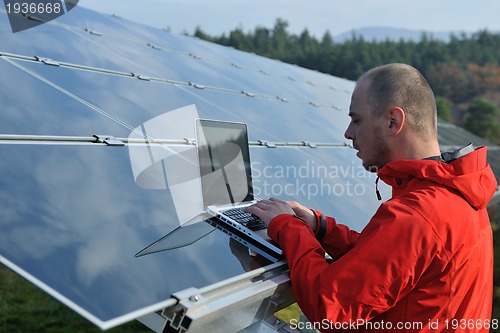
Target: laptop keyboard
point(250, 221)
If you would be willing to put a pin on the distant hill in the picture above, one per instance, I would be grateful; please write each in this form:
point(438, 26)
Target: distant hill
point(394, 34)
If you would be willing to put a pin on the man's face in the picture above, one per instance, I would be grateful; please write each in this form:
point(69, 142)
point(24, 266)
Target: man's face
point(365, 131)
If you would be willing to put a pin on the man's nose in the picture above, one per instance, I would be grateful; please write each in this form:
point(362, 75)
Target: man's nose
point(348, 133)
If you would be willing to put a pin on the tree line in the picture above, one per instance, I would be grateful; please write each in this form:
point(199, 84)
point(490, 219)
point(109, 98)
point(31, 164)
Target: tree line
point(464, 71)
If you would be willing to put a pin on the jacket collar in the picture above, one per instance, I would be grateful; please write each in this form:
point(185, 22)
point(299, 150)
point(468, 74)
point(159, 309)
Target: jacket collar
point(464, 170)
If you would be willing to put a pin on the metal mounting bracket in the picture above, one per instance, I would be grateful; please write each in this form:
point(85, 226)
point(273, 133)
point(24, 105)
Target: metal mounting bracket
point(267, 144)
point(235, 305)
point(109, 140)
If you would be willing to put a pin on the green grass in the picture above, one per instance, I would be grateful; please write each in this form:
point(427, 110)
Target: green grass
point(25, 308)
point(291, 312)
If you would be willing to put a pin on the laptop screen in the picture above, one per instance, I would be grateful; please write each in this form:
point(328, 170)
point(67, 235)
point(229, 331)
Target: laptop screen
point(224, 160)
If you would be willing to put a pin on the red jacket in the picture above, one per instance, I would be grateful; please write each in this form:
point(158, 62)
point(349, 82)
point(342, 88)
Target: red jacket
point(423, 263)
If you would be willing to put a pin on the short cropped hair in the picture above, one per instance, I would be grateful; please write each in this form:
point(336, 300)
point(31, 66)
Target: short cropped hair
point(403, 86)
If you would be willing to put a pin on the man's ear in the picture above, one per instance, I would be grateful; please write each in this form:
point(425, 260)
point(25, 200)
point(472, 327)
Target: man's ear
point(397, 119)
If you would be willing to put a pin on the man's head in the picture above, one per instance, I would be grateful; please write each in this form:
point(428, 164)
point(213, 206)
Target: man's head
point(393, 116)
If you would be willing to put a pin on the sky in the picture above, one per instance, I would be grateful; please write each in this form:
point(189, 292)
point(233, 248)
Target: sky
point(216, 17)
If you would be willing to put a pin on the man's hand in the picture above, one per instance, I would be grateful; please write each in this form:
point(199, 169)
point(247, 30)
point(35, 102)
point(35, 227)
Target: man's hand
point(267, 210)
point(304, 213)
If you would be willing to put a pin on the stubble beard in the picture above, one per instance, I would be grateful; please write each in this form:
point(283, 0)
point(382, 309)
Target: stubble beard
point(381, 154)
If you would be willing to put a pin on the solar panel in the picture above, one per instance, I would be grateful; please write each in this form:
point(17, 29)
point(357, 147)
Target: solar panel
point(72, 214)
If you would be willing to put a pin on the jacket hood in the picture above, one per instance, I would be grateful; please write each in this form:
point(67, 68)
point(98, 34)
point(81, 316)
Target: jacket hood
point(470, 174)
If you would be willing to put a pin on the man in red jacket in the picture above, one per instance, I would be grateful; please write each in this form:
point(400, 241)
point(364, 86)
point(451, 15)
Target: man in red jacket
point(424, 262)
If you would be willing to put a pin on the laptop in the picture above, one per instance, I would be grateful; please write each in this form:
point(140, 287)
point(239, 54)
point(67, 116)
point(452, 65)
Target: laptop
point(226, 183)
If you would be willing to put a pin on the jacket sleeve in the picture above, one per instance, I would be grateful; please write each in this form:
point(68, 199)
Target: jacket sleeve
point(338, 238)
point(386, 262)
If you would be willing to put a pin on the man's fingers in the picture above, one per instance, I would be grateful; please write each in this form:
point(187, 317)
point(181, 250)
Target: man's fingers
point(253, 209)
point(277, 200)
point(268, 209)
